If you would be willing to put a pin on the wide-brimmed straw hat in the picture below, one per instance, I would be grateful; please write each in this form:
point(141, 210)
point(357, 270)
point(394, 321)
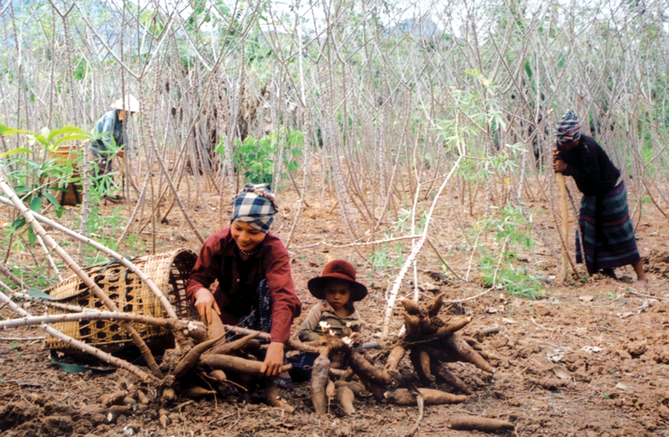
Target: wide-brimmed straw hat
point(341, 270)
point(129, 103)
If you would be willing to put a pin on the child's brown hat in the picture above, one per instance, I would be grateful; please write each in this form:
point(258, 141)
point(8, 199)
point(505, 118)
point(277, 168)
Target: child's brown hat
point(337, 269)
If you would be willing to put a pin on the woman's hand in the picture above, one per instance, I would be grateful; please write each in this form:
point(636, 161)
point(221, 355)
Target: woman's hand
point(558, 164)
point(204, 302)
point(273, 360)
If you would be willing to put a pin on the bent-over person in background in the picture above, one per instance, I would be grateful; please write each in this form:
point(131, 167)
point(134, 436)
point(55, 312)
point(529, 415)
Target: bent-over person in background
point(604, 219)
point(112, 127)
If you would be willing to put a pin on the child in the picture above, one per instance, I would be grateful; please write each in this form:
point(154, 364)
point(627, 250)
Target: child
point(337, 289)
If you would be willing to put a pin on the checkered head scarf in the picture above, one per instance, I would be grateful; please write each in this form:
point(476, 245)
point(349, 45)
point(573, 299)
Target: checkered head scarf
point(568, 129)
point(256, 206)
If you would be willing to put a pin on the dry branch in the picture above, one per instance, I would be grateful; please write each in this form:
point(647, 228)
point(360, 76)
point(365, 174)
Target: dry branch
point(414, 253)
point(95, 315)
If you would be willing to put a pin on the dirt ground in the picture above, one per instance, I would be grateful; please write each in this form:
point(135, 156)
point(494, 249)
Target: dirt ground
point(590, 358)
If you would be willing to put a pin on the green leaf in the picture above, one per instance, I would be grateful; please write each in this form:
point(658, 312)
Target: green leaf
point(32, 238)
point(22, 189)
point(42, 140)
point(52, 199)
point(71, 137)
point(16, 151)
point(68, 130)
point(528, 69)
point(18, 223)
point(5, 130)
point(36, 204)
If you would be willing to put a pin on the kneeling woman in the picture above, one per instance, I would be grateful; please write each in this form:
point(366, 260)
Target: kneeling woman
point(255, 288)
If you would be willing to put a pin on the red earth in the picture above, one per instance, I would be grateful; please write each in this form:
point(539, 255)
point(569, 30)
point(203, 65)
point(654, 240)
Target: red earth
point(588, 358)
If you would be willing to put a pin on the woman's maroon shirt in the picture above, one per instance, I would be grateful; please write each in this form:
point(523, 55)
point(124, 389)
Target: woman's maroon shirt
point(218, 260)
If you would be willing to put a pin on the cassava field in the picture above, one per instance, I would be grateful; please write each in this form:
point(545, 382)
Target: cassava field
point(412, 139)
point(589, 358)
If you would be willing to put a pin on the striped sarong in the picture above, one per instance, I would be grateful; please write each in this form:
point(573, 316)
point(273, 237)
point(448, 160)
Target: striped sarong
point(608, 232)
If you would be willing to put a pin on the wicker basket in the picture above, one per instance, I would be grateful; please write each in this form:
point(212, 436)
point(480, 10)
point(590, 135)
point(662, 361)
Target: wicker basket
point(72, 194)
point(169, 271)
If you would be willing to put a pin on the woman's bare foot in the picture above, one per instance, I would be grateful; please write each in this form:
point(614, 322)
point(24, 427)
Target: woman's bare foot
point(640, 283)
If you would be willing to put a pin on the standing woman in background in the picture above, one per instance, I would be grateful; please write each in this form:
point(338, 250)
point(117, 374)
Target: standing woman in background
point(606, 226)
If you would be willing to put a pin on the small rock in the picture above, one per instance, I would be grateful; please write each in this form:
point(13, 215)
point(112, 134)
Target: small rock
point(637, 348)
point(622, 354)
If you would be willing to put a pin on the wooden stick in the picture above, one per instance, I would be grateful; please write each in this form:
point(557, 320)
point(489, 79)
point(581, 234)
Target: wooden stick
point(117, 256)
point(565, 223)
point(5, 271)
point(414, 253)
point(94, 315)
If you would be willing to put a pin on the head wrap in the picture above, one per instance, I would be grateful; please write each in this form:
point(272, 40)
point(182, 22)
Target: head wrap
point(568, 129)
point(256, 206)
